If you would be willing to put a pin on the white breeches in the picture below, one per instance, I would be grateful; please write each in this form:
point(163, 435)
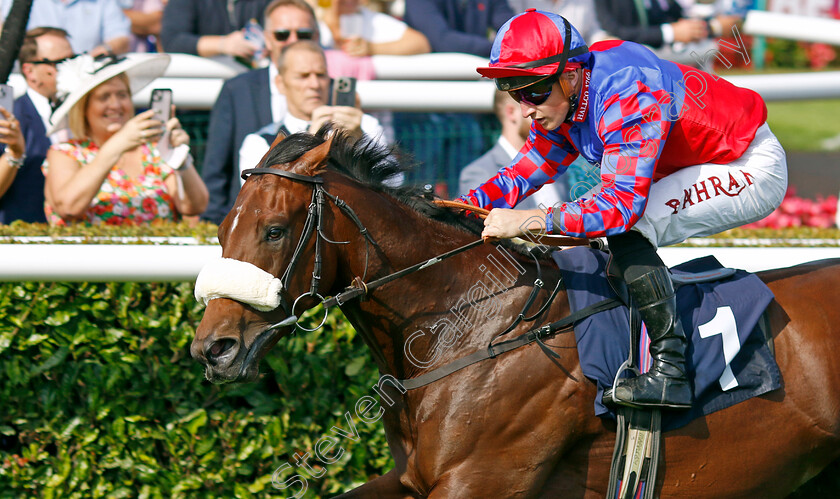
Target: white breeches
point(707, 199)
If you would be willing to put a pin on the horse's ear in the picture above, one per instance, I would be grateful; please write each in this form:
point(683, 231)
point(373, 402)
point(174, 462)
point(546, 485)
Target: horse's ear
point(314, 161)
point(277, 139)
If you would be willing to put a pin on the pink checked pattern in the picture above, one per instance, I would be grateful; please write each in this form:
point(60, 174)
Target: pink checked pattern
point(631, 131)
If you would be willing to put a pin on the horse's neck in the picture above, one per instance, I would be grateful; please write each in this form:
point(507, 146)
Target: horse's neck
point(440, 313)
point(401, 236)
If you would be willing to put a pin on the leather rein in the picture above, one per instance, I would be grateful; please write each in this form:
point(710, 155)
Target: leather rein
point(360, 288)
point(313, 223)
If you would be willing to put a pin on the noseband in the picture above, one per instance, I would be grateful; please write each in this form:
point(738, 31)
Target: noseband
point(314, 219)
point(313, 223)
point(359, 288)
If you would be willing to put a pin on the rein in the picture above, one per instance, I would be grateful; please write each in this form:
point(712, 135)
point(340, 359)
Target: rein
point(313, 223)
point(314, 219)
point(534, 237)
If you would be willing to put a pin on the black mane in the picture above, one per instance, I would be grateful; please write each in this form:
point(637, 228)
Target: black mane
point(372, 165)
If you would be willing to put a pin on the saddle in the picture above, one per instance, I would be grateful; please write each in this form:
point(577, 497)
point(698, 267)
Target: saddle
point(636, 454)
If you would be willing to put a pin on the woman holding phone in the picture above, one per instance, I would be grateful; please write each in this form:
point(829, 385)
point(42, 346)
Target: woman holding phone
point(13, 143)
point(119, 168)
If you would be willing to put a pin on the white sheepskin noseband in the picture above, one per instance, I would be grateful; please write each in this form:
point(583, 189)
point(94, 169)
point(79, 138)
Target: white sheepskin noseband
point(240, 281)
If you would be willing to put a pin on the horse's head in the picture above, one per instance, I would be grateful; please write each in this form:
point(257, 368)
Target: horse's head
point(265, 275)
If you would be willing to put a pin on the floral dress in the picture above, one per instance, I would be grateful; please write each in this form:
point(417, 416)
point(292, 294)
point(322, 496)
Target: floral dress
point(122, 200)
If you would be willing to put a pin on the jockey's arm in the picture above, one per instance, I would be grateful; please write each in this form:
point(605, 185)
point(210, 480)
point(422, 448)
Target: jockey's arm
point(528, 171)
point(632, 147)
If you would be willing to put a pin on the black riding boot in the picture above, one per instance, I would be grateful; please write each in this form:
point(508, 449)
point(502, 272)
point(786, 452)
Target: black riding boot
point(665, 385)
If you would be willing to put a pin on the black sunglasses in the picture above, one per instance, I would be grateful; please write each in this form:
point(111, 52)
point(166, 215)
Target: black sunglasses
point(281, 35)
point(53, 62)
point(535, 94)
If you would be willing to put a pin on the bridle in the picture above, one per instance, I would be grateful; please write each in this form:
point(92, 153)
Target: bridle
point(313, 223)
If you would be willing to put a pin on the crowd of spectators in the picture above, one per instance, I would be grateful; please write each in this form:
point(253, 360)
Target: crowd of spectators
point(76, 163)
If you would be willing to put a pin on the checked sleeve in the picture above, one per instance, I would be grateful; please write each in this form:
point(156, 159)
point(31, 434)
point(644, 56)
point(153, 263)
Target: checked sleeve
point(633, 131)
point(544, 157)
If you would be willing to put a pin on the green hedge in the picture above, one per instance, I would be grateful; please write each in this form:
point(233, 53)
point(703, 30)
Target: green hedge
point(100, 398)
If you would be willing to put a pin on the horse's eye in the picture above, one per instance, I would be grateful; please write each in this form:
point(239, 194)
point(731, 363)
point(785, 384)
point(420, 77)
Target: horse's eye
point(274, 233)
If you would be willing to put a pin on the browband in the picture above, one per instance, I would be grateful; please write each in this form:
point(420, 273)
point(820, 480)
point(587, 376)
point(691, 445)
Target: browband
point(283, 173)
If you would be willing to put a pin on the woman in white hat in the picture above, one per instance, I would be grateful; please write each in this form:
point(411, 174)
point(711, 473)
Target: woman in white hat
point(112, 171)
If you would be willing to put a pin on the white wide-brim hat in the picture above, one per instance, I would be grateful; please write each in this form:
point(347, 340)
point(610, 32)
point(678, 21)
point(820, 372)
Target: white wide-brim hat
point(83, 73)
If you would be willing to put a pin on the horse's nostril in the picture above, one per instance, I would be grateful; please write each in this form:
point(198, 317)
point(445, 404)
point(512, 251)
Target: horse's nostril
point(217, 348)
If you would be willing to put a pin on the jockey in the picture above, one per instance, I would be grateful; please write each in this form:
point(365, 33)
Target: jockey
point(679, 153)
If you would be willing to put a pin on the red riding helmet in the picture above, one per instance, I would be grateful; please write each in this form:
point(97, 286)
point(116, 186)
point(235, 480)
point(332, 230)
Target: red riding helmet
point(533, 46)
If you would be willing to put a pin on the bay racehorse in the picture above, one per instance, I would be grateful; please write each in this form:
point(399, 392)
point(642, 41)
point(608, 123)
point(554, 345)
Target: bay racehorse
point(521, 424)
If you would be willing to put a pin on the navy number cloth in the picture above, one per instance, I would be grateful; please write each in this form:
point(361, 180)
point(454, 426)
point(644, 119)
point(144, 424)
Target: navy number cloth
point(727, 359)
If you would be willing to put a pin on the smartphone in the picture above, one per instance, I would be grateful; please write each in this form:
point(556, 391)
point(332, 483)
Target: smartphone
point(343, 92)
point(253, 33)
point(161, 103)
point(7, 98)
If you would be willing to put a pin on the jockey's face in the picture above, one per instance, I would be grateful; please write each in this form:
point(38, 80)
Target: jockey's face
point(304, 81)
point(552, 113)
point(287, 17)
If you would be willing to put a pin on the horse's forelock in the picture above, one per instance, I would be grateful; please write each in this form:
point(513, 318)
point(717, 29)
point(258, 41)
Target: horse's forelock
point(370, 163)
point(364, 160)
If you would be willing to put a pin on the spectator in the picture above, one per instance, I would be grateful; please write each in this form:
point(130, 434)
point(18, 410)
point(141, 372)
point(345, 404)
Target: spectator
point(663, 26)
point(360, 32)
point(515, 130)
point(146, 17)
point(22, 185)
point(117, 169)
point(210, 29)
point(248, 102)
point(305, 83)
point(450, 26)
point(720, 15)
point(94, 26)
point(581, 13)
point(458, 25)
point(652, 22)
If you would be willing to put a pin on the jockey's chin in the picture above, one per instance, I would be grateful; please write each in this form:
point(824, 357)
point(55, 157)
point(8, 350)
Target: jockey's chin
point(550, 122)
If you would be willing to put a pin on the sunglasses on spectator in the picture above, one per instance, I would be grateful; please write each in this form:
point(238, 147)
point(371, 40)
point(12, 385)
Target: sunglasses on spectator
point(52, 62)
point(281, 35)
point(535, 94)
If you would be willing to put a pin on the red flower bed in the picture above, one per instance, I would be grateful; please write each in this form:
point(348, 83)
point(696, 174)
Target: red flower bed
point(800, 212)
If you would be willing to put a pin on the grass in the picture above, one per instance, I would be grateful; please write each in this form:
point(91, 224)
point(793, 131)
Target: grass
point(803, 125)
point(799, 125)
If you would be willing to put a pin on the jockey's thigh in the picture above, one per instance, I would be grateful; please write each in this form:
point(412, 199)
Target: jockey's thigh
point(706, 199)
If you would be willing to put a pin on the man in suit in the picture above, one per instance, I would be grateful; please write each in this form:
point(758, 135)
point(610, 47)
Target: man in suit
point(209, 29)
point(515, 129)
point(25, 147)
point(247, 103)
point(659, 23)
point(305, 82)
point(458, 26)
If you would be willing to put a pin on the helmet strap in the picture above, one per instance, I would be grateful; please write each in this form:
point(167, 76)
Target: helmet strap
point(569, 90)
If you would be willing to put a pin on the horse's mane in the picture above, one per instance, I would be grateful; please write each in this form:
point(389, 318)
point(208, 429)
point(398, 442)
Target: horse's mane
point(372, 164)
point(377, 167)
